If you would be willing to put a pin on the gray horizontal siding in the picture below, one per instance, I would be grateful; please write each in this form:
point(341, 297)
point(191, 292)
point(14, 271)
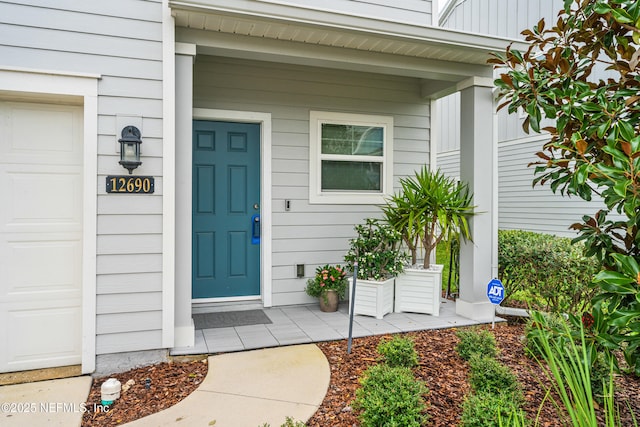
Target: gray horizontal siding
point(121, 322)
point(312, 234)
point(128, 341)
point(521, 206)
point(537, 209)
point(132, 10)
point(122, 283)
point(122, 41)
point(449, 164)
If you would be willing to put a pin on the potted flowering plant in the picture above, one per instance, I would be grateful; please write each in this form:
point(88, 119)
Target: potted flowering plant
point(376, 249)
point(431, 207)
point(329, 285)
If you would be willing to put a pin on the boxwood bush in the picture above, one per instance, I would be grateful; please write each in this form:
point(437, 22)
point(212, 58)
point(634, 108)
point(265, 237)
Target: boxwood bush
point(398, 351)
point(476, 341)
point(391, 397)
point(546, 272)
point(496, 395)
point(488, 375)
point(486, 409)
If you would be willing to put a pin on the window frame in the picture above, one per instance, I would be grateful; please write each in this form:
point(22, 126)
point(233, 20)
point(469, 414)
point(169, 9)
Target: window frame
point(316, 195)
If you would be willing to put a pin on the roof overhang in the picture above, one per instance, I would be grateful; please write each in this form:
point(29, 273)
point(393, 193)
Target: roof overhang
point(270, 31)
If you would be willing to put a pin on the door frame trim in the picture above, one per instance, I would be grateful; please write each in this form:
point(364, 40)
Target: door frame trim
point(84, 86)
point(264, 120)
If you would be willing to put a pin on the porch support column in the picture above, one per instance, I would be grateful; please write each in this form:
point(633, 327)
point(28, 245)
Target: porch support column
point(478, 161)
point(184, 327)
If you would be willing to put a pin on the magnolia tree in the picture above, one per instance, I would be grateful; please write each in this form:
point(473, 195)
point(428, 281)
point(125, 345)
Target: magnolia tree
point(594, 143)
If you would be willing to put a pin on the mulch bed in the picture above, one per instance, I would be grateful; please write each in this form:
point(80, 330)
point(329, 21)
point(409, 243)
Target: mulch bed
point(169, 384)
point(444, 372)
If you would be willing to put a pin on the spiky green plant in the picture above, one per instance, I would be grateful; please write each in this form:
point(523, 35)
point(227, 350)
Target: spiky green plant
point(429, 208)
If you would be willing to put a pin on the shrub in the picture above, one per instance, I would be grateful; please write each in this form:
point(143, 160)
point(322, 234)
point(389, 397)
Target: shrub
point(399, 351)
point(553, 333)
point(476, 340)
point(547, 272)
point(551, 326)
point(485, 409)
point(593, 145)
point(490, 376)
point(391, 397)
point(376, 250)
point(289, 422)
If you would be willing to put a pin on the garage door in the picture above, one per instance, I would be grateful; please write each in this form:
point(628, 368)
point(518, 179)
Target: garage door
point(40, 235)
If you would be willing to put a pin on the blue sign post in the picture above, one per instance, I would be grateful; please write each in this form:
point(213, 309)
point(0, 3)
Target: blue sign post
point(495, 293)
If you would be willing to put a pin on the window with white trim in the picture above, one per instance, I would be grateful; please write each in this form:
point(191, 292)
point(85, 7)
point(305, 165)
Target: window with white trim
point(351, 158)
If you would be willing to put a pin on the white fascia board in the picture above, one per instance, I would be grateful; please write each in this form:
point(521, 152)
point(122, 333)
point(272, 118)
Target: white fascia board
point(246, 47)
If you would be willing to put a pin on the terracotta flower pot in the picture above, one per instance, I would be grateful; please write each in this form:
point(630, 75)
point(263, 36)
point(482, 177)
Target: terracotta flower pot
point(329, 301)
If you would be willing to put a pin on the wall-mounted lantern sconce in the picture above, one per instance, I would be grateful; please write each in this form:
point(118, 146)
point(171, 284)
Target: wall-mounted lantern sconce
point(300, 271)
point(130, 148)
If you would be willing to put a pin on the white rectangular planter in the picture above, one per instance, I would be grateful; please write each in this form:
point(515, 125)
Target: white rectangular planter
point(372, 298)
point(419, 290)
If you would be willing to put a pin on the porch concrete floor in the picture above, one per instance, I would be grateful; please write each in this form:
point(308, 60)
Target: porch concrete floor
point(303, 324)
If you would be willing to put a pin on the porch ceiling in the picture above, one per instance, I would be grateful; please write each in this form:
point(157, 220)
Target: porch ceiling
point(267, 31)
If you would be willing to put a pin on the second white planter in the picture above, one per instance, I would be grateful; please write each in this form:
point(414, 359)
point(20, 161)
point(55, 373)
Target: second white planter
point(372, 298)
point(419, 290)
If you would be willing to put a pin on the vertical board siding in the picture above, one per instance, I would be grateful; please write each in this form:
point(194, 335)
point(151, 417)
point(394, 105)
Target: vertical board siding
point(449, 113)
point(121, 40)
point(503, 18)
point(311, 234)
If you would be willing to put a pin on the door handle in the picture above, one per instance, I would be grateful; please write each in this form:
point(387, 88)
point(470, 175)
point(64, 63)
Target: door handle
point(255, 229)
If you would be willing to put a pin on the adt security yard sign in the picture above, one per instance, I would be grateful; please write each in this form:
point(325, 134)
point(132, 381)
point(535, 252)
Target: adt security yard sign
point(495, 291)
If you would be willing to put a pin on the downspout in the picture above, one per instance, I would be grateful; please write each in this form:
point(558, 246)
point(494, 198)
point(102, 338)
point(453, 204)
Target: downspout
point(511, 311)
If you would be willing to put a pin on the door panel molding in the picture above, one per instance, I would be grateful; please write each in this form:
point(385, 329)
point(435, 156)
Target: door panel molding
point(264, 119)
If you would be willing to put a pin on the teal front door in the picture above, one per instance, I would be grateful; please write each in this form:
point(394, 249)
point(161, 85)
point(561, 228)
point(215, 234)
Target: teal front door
point(226, 209)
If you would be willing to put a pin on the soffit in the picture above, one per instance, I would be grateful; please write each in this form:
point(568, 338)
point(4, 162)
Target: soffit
point(337, 30)
point(440, 58)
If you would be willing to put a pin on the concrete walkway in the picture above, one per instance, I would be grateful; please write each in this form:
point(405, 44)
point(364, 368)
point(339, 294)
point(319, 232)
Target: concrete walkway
point(252, 388)
point(241, 389)
point(244, 389)
point(44, 403)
